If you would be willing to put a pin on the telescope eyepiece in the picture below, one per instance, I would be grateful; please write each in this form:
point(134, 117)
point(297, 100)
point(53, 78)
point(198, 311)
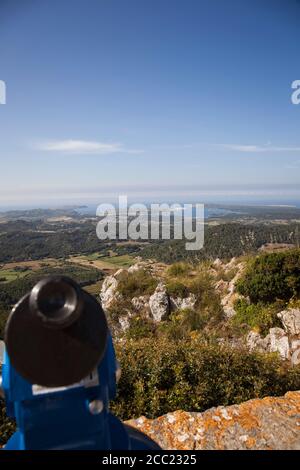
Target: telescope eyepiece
point(56, 335)
point(56, 302)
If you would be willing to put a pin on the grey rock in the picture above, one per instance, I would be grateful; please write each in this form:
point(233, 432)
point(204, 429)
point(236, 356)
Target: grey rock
point(255, 342)
point(159, 303)
point(295, 359)
point(291, 321)
point(124, 322)
point(178, 303)
point(279, 342)
point(108, 291)
point(217, 263)
point(140, 303)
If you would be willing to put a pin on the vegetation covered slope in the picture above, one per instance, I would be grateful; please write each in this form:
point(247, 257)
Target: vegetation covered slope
point(224, 241)
point(195, 358)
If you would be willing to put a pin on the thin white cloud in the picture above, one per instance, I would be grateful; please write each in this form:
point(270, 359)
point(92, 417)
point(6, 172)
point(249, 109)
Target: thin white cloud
point(293, 165)
point(258, 148)
point(83, 147)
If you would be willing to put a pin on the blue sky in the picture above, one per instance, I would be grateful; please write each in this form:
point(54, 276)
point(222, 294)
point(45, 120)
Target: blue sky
point(155, 98)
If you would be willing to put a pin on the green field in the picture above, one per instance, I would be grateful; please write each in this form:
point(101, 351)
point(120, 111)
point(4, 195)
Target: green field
point(98, 261)
point(8, 275)
point(123, 261)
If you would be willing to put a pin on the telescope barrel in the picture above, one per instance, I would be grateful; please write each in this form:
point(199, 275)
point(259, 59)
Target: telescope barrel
point(57, 334)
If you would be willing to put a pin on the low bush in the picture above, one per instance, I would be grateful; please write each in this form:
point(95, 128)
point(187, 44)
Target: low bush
point(256, 316)
point(119, 307)
point(160, 375)
point(7, 426)
point(4, 312)
point(272, 276)
point(140, 328)
point(182, 323)
point(176, 288)
point(226, 276)
point(136, 283)
point(178, 269)
point(200, 284)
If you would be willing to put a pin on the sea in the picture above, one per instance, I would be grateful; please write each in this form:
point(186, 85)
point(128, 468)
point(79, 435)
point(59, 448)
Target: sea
point(212, 208)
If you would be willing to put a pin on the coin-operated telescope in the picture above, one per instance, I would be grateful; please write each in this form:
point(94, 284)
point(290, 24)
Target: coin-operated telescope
point(60, 372)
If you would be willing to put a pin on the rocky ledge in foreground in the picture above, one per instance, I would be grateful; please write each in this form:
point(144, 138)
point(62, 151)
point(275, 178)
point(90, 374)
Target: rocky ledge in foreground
point(268, 423)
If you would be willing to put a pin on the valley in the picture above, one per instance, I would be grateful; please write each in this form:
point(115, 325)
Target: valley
point(192, 330)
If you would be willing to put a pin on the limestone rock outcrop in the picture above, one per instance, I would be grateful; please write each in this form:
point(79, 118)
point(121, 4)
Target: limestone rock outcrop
point(256, 342)
point(226, 288)
point(285, 341)
point(279, 342)
point(259, 424)
point(140, 303)
point(159, 303)
point(178, 303)
point(108, 291)
point(290, 319)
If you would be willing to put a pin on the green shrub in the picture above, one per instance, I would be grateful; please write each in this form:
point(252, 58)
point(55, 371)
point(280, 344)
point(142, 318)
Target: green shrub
point(272, 276)
point(201, 284)
point(182, 323)
point(4, 312)
point(207, 310)
point(226, 275)
point(257, 316)
point(208, 300)
point(160, 375)
point(177, 289)
point(7, 426)
point(198, 283)
point(118, 308)
point(294, 303)
point(140, 328)
point(136, 283)
point(178, 269)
